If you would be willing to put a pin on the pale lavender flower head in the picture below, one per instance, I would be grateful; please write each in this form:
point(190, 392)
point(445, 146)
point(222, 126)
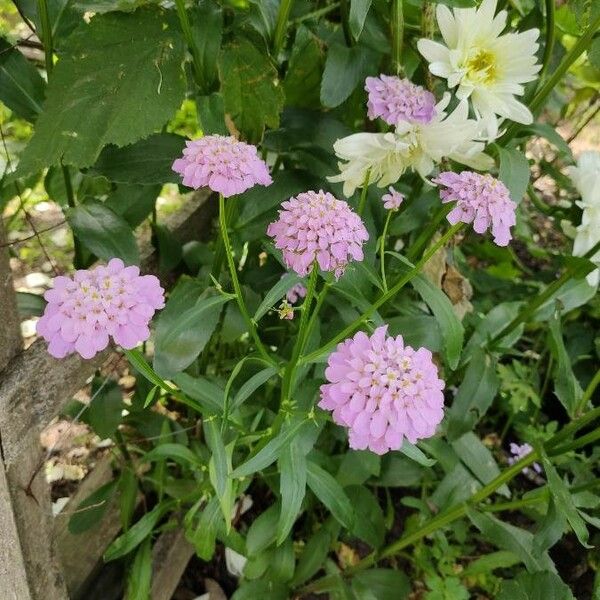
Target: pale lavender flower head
point(223, 164)
point(393, 200)
point(394, 99)
point(518, 452)
point(480, 199)
point(317, 226)
point(85, 310)
point(295, 293)
point(383, 391)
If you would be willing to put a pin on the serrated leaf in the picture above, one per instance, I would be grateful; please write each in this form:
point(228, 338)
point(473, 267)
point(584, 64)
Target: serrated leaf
point(21, 86)
point(330, 493)
point(119, 79)
point(514, 172)
point(146, 162)
point(251, 92)
point(535, 586)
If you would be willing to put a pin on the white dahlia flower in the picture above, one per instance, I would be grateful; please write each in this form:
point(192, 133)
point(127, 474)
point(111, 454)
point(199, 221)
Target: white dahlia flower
point(417, 146)
point(488, 67)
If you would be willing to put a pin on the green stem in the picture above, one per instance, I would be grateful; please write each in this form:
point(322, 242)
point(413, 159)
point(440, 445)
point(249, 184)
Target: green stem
point(219, 255)
point(541, 95)
point(77, 249)
point(536, 302)
point(46, 37)
point(186, 28)
point(427, 233)
point(587, 395)
point(281, 26)
point(363, 194)
point(550, 37)
point(384, 297)
point(538, 202)
point(382, 250)
point(584, 440)
point(236, 284)
point(397, 27)
point(315, 14)
point(290, 370)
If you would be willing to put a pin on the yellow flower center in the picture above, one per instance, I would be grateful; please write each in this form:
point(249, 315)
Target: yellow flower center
point(481, 66)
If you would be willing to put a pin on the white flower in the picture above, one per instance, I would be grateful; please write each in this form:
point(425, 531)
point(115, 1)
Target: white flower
point(488, 67)
point(418, 146)
point(586, 178)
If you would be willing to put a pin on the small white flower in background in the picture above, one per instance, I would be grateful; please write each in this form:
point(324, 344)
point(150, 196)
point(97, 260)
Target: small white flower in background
point(489, 68)
point(586, 178)
point(519, 451)
point(417, 146)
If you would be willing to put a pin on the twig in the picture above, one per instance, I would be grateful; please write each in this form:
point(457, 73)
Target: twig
point(28, 237)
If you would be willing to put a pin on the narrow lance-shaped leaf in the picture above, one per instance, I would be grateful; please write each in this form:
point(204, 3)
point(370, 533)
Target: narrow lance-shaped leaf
point(292, 487)
point(330, 493)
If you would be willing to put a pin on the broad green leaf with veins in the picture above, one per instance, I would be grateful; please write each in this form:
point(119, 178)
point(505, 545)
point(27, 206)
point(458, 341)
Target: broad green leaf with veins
point(120, 78)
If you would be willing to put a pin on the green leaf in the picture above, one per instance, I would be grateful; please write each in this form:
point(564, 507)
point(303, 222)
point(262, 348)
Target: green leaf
point(208, 394)
point(535, 586)
point(566, 386)
point(345, 68)
point(369, 525)
point(252, 95)
point(263, 531)
point(89, 512)
point(488, 563)
point(331, 494)
point(21, 86)
point(170, 251)
point(551, 134)
point(128, 491)
point(514, 172)
point(110, 69)
point(302, 81)
point(251, 590)
point(278, 291)
point(511, 538)
point(564, 502)
point(30, 305)
point(207, 29)
point(133, 202)
point(132, 538)
point(177, 452)
point(479, 460)
point(146, 162)
point(412, 452)
point(139, 580)
point(103, 232)
point(450, 325)
point(250, 386)
point(358, 13)
point(177, 347)
point(475, 395)
point(204, 536)
point(551, 529)
point(292, 487)
point(219, 467)
point(270, 453)
point(103, 413)
point(381, 584)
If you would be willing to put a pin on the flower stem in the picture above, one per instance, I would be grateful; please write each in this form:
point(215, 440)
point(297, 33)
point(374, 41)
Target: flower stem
point(288, 376)
point(219, 255)
point(397, 27)
point(550, 37)
point(536, 302)
point(427, 233)
point(589, 391)
point(363, 194)
point(281, 26)
point(382, 250)
point(236, 284)
point(77, 249)
point(384, 297)
point(186, 28)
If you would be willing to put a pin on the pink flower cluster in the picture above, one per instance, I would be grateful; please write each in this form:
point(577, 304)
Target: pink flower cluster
point(223, 164)
point(518, 452)
point(112, 300)
point(383, 391)
point(394, 99)
point(393, 200)
point(481, 200)
point(317, 226)
point(295, 293)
